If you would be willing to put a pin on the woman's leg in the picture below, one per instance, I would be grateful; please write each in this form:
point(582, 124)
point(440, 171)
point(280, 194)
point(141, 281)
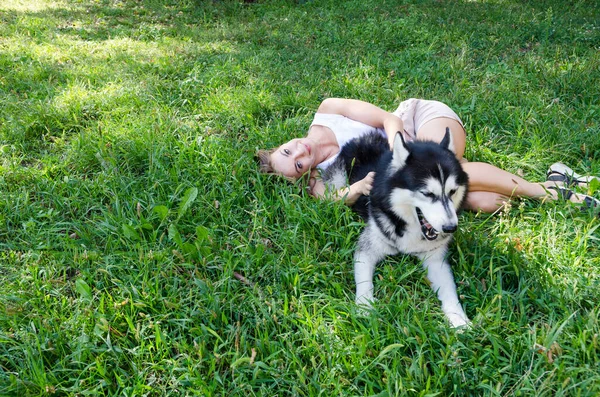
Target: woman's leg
point(488, 178)
point(488, 202)
point(490, 187)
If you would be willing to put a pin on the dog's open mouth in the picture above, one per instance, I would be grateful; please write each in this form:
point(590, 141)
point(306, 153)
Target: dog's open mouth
point(426, 229)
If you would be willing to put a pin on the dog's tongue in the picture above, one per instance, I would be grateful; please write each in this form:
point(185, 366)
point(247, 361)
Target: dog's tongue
point(429, 231)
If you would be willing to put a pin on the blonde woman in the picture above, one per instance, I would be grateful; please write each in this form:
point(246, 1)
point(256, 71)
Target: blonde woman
point(338, 121)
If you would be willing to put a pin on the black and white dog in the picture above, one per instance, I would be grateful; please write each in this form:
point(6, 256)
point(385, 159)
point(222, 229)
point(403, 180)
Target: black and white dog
point(418, 188)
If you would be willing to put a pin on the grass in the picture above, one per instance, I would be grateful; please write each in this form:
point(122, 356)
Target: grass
point(131, 205)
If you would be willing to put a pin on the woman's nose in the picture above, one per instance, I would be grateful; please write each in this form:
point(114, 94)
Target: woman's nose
point(302, 150)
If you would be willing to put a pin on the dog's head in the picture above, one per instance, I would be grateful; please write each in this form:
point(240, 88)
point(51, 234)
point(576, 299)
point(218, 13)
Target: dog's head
point(427, 184)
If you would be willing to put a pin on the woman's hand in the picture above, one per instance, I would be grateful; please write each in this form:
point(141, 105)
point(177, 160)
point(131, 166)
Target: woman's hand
point(350, 194)
point(357, 189)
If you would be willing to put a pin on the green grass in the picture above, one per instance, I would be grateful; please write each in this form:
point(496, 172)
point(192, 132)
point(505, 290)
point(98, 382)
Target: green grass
point(130, 201)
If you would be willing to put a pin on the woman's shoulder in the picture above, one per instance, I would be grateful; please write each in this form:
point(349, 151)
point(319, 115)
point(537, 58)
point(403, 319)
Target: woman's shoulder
point(327, 118)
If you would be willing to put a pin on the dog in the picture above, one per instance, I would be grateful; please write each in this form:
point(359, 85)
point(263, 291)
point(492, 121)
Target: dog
point(412, 208)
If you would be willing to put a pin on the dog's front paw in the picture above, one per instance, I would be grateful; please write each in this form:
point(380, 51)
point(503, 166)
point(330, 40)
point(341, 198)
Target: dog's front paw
point(455, 315)
point(365, 301)
point(458, 320)
point(365, 304)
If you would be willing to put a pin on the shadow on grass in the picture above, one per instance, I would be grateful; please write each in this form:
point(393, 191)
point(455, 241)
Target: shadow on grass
point(112, 112)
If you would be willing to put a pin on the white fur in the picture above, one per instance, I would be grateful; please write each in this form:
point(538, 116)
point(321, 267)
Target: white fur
point(403, 202)
point(339, 180)
point(442, 281)
point(451, 141)
point(434, 186)
point(434, 262)
point(374, 245)
point(400, 154)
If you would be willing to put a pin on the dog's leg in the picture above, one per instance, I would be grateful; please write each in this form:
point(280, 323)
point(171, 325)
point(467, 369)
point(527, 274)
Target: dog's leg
point(442, 281)
point(368, 254)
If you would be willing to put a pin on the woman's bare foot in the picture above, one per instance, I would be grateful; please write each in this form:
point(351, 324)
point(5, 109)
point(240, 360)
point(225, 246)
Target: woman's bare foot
point(558, 192)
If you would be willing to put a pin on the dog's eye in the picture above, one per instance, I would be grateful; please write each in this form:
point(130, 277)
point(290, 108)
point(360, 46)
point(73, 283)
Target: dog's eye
point(451, 193)
point(428, 195)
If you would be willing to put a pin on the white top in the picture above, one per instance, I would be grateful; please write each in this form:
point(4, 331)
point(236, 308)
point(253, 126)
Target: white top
point(413, 112)
point(344, 129)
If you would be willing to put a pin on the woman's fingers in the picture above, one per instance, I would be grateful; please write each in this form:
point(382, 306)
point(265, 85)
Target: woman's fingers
point(368, 183)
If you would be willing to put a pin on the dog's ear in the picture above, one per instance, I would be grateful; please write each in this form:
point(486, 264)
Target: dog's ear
point(400, 151)
point(448, 142)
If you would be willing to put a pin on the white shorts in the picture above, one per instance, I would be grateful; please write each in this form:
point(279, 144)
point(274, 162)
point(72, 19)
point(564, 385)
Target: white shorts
point(416, 112)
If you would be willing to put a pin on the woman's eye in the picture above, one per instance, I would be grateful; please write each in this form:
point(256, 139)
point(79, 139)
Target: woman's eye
point(286, 151)
point(299, 165)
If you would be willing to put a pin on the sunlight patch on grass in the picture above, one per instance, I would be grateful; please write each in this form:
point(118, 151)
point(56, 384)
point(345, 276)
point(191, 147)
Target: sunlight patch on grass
point(133, 48)
point(28, 5)
point(64, 49)
point(220, 47)
point(22, 47)
point(78, 96)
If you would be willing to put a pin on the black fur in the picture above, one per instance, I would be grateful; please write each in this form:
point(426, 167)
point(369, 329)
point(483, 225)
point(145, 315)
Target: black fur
point(372, 152)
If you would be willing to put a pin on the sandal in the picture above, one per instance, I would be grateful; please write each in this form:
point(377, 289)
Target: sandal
point(588, 202)
point(558, 172)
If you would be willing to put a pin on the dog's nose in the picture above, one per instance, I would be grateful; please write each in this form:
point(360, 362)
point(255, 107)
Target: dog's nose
point(450, 228)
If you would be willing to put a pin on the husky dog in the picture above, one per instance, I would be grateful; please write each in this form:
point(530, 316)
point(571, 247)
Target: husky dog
point(417, 190)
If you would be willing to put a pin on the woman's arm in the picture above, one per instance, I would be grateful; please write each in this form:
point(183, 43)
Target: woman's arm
point(365, 113)
point(348, 194)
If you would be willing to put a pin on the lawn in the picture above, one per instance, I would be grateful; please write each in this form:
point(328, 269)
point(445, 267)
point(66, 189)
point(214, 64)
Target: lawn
point(141, 252)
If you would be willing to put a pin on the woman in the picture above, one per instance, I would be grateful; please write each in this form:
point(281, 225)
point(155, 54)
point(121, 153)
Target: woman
point(339, 120)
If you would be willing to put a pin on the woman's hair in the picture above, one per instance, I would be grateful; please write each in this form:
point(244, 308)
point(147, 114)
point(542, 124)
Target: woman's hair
point(264, 161)
point(266, 167)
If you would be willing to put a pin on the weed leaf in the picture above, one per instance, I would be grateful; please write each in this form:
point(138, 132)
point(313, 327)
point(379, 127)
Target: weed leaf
point(201, 233)
point(188, 198)
point(83, 289)
point(174, 235)
point(594, 186)
point(162, 212)
point(130, 232)
point(240, 361)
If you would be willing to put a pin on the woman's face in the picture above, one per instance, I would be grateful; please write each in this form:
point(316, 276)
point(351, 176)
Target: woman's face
point(294, 158)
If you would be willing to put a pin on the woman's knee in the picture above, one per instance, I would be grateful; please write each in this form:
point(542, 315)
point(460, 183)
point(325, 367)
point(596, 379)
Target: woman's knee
point(485, 201)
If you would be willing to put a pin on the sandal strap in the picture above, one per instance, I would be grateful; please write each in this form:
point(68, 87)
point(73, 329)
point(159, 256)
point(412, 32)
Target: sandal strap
point(562, 192)
point(568, 180)
point(558, 172)
point(590, 203)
